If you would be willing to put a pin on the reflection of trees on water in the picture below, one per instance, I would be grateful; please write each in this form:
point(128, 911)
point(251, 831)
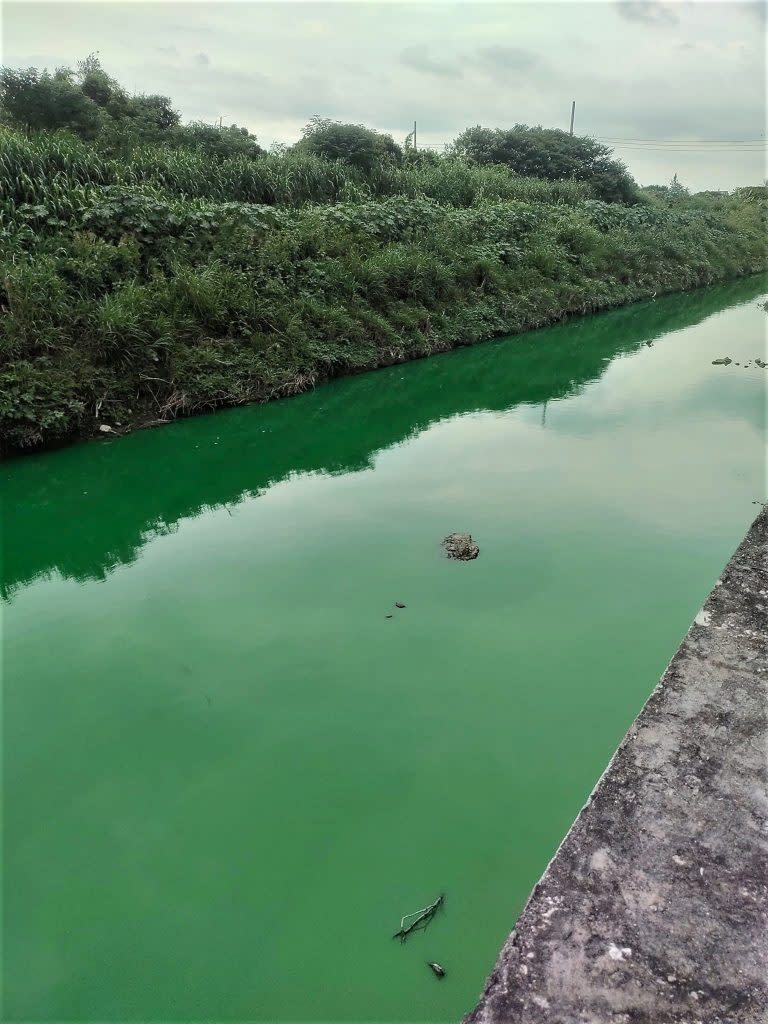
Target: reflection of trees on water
point(86, 509)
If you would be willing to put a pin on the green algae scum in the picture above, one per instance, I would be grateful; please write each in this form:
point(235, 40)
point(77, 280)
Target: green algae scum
point(228, 774)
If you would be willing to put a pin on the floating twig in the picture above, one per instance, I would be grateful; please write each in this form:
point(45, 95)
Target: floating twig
point(421, 919)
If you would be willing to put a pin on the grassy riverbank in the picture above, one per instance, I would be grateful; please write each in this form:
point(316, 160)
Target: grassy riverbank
point(165, 283)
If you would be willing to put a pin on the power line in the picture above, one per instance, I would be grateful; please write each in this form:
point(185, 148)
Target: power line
point(672, 147)
point(704, 146)
point(688, 143)
point(623, 138)
point(700, 149)
point(689, 149)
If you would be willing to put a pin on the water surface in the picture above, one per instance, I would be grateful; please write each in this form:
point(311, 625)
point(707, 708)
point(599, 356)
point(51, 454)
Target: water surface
point(227, 774)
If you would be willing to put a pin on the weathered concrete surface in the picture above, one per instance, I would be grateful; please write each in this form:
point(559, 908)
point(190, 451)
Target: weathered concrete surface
point(655, 907)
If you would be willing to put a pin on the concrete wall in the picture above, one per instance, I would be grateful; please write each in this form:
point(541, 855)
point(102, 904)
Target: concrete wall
point(655, 907)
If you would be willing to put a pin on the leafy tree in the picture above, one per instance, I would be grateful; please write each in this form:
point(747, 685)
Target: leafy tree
point(677, 190)
point(752, 193)
point(39, 100)
point(357, 145)
point(88, 102)
point(421, 157)
point(654, 193)
point(100, 87)
point(220, 143)
point(549, 153)
point(153, 111)
point(136, 120)
point(668, 195)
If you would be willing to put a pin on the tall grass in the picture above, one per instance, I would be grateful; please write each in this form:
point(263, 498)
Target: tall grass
point(40, 167)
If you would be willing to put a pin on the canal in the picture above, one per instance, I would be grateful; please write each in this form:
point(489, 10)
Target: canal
point(228, 772)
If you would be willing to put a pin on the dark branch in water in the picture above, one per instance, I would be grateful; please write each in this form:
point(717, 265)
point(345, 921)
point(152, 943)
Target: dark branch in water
point(421, 919)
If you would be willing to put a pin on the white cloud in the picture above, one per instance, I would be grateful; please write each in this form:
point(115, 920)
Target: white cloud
point(648, 12)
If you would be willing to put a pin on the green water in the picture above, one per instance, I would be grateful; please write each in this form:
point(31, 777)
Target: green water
point(227, 774)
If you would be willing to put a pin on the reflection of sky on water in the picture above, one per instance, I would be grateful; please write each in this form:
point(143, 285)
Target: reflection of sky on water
point(643, 421)
point(659, 433)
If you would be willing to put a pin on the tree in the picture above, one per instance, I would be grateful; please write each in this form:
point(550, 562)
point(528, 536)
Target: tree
point(752, 193)
point(97, 85)
point(674, 192)
point(677, 191)
point(217, 142)
point(354, 143)
point(135, 121)
point(88, 102)
point(549, 153)
point(41, 101)
point(155, 112)
point(418, 157)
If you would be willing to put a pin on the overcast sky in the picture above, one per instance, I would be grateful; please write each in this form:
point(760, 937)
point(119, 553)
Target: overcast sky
point(638, 69)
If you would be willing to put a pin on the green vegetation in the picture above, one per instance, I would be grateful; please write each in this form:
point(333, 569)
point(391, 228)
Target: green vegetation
point(552, 154)
point(150, 269)
point(357, 145)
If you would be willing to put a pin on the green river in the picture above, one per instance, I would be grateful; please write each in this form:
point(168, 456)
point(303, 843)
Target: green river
point(227, 774)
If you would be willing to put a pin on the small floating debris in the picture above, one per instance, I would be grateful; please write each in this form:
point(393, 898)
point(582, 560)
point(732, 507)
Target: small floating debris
point(761, 364)
point(438, 970)
point(461, 546)
point(726, 361)
point(399, 604)
point(388, 616)
point(421, 919)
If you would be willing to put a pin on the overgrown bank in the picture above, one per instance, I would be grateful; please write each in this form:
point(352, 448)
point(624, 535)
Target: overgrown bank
point(143, 311)
point(168, 280)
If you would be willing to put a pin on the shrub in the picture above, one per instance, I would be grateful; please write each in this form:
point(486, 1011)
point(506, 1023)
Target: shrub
point(40, 101)
point(355, 144)
point(551, 154)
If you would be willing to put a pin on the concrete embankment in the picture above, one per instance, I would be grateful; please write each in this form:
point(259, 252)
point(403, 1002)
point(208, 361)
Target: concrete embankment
point(655, 908)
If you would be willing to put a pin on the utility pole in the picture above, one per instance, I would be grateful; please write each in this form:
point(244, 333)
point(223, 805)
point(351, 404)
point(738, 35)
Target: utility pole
point(573, 111)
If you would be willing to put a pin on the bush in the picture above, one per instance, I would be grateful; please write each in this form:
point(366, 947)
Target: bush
point(221, 143)
point(355, 144)
point(145, 307)
point(551, 154)
point(40, 101)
